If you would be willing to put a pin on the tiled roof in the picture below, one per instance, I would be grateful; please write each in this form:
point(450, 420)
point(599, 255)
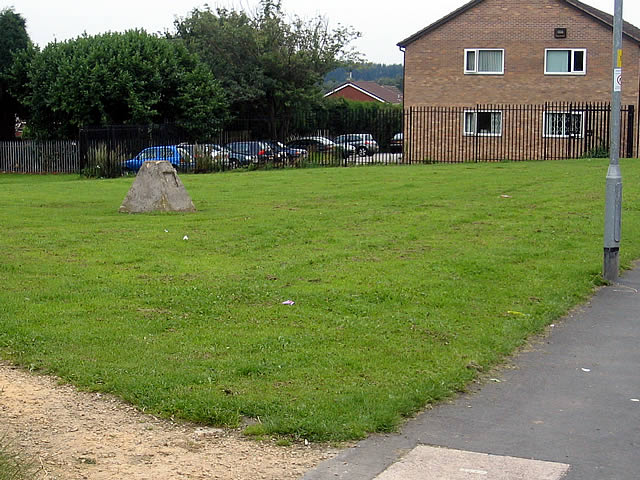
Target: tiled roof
point(631, 31)
point(386, 93)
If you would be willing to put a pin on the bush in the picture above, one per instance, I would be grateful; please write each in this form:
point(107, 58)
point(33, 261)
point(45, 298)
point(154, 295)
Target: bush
point(600, 151)
point(204, 162)
point(104, 162)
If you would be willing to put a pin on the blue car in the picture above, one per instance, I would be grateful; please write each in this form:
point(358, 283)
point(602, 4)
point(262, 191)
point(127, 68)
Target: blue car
point(178, 156)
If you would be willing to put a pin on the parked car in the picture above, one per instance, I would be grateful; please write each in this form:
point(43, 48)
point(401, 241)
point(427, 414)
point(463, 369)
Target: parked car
point(364, 143)
point(323, 145)
point(291, 154)
point(178, 156)
point(397, 142)
point(230, 159)
point(244, 153)
point(216, 153)
point(198, 150)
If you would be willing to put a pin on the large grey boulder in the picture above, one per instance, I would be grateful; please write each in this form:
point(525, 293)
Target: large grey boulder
point(157, 187)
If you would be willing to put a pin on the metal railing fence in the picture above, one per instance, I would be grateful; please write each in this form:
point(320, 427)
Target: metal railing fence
point(478, 133)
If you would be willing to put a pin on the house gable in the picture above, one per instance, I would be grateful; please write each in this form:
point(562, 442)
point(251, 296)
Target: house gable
point(436, 73)
point(367, 92)
point(629, 30)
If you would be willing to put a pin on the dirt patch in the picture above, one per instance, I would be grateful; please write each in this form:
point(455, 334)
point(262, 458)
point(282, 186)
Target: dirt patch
point(78, 435)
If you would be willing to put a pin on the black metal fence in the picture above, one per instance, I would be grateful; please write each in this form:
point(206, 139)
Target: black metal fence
point(486, 133)
point(481, 133)
point(124, 142)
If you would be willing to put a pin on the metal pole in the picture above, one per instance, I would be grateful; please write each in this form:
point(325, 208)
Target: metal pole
point(613, 202)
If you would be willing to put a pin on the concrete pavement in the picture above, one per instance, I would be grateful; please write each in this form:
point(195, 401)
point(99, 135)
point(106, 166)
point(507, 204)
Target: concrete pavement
point(569, 409)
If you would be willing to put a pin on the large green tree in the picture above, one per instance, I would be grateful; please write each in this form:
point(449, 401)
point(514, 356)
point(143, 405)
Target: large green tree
point(121, 78)
point(269, 65)
point(13, 40)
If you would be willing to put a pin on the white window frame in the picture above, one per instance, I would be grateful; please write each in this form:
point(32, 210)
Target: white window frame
point(564, 134)
point(475, 71)
point(469, 133)
point(573, 52)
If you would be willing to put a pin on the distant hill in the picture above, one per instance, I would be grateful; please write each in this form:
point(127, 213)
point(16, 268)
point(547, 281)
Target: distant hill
point(370, 72)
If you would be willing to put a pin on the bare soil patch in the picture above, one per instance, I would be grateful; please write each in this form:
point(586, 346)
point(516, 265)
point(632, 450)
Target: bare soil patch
point(77, 435)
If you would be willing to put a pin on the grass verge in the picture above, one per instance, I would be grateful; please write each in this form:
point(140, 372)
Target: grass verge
point(11, 466)
point(406, 280)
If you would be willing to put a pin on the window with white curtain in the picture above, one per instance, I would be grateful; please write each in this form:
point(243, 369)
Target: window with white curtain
point(484, 61)
point(563, 124)
point(565, 61)
point(483, 123)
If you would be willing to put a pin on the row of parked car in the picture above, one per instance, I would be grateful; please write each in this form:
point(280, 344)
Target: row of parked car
point(237, 154)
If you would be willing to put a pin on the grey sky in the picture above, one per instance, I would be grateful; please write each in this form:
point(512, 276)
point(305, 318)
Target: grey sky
point(383, 24)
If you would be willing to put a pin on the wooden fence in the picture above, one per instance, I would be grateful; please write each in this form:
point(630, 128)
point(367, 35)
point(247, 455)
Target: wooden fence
point(34, 156)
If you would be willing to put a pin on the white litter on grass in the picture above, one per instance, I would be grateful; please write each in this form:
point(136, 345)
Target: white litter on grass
point(166, 231)
point(586, 370)
point(288, 302)
point(505, 196)
point(185, 238)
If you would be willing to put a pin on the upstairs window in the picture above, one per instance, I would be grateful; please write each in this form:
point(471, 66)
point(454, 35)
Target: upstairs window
point(483, 123)
point(571, 61)
point(484, 61)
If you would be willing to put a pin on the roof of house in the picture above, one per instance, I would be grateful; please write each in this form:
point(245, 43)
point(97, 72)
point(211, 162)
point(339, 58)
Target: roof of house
point(629, 30)
point(382, 93)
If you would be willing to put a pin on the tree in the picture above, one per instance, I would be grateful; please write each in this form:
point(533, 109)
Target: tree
point(269, 66)
point(121, 78)
point(13, 40)
point(380, 73)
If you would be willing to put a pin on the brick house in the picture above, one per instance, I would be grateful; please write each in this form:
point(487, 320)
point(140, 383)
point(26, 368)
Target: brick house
point(362, 91)
point(518, 52)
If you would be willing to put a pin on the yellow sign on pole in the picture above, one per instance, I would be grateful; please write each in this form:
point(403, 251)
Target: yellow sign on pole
point(619, 65)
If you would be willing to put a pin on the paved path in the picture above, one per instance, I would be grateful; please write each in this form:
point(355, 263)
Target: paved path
point(572, 403)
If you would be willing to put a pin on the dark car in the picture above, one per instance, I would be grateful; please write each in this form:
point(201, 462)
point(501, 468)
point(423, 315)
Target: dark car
point(322, 145)
point(397, 142)
point(364, 143)
point(177, 155)
point(251, 152)
point(290, 153)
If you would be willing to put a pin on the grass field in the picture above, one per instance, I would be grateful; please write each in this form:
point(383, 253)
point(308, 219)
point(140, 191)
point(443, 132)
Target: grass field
point(407, 282)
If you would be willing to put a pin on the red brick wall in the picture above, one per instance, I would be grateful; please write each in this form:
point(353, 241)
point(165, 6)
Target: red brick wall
point(434, 64)
point(351, 93)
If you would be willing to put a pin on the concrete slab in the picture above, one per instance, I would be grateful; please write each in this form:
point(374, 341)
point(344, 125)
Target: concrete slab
point(437, 463)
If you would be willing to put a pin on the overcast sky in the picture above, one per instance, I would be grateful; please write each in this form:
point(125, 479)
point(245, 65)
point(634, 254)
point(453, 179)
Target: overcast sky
point(382, 24)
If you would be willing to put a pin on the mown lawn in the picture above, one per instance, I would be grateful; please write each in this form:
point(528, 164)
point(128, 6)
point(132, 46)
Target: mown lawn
point(407, 281)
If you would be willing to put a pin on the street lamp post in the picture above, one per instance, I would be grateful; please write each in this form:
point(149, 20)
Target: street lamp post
point(613, 200)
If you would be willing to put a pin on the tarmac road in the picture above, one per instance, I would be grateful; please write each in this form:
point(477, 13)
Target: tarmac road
point(568, 409)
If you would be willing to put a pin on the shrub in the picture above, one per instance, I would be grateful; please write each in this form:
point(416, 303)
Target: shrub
point(600, 151)
point(204, 162)
point(103, 162)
